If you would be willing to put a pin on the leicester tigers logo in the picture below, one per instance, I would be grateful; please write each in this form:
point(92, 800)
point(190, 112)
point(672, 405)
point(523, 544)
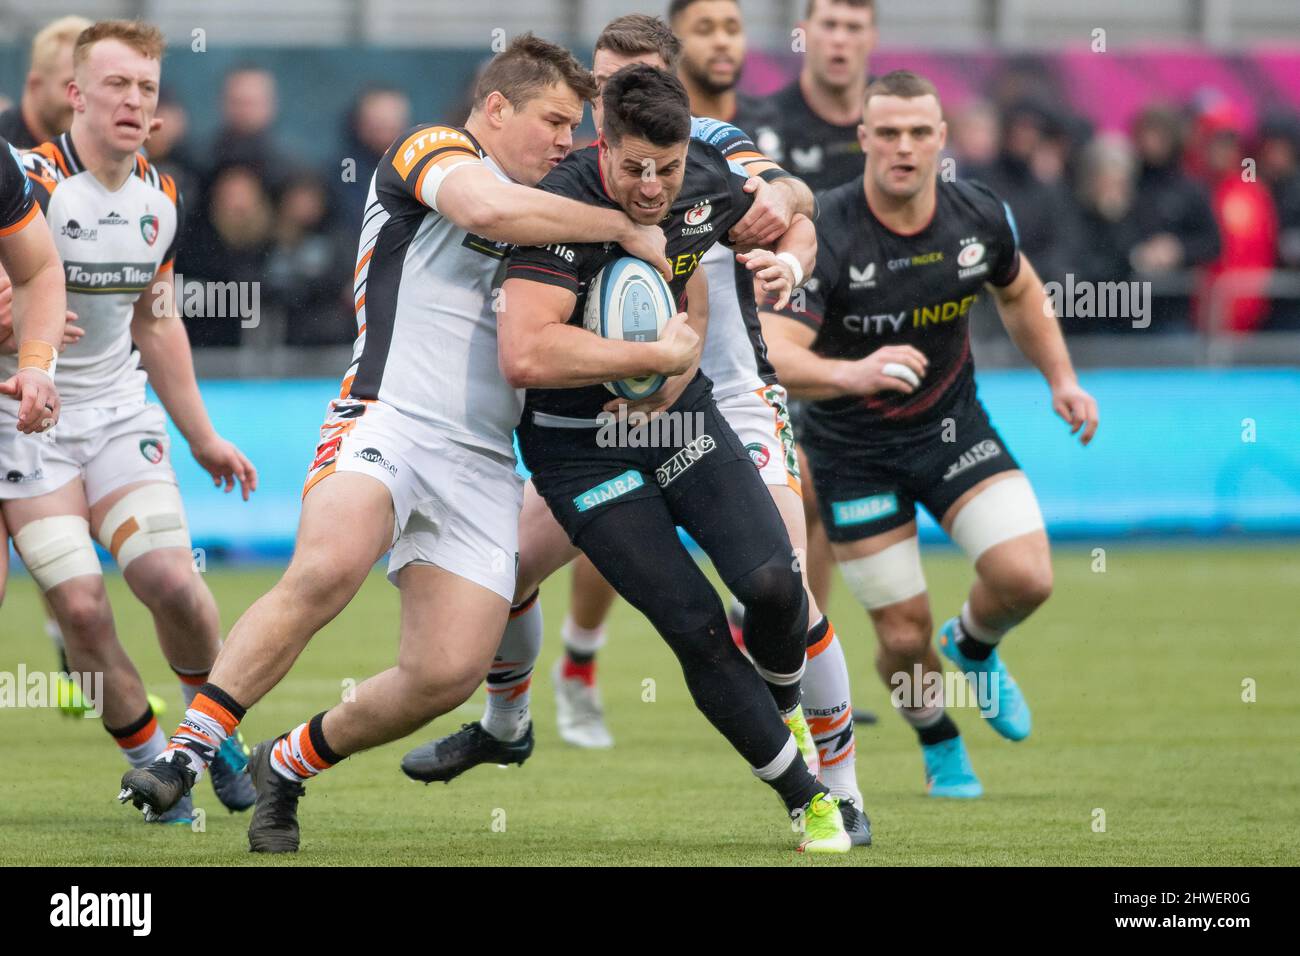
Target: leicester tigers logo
point(149, 228)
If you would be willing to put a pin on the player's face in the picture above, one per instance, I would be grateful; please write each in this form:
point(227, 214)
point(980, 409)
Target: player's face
point(605, 63)
point(49, 90)
point(713, 44)
point(840, 39)
point(902, 139)
point(538, 135)
point(643, 178)
point(116, 90)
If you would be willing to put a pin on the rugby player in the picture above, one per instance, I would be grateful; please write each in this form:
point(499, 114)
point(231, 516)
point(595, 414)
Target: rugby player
point(27, 252)
point(812, 127)
point(416, 455)
point(881, 347)
point(43, 112)
point(752, 403)
point(107, 472)
point(703, 480)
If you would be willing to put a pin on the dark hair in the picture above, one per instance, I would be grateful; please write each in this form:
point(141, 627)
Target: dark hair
point(901, 83)
point(636, 34)
point(529, 65)
point(648, 103)
point(678, 7)
point(860, 4)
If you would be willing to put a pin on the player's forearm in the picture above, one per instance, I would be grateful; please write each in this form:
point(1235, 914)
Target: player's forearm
point(565, 356)
point(1032, 325)
point(40, 307)
point(800, 240)
point(165, 355)
point(801, 195)
point(804, 374)
point(532, 217)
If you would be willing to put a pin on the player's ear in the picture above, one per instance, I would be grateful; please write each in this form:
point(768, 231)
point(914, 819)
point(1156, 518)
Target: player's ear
point(943, 134)
point(862, 136)
point(494, 108)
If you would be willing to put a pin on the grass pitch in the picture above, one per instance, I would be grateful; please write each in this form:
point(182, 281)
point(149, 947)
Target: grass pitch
point(1136, 676)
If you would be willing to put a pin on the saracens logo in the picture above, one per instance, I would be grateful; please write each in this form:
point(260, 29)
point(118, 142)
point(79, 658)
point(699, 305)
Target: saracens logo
point(698, 213)
point(970, 255)
point(758, 454)
point(149, 227)
point(152, 450)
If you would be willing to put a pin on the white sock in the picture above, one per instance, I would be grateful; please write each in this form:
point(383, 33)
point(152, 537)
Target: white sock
point(977, 631)
point(191, 683)
point(829, 712)
point(582, 640)
point(143, 754)
point(509, 680)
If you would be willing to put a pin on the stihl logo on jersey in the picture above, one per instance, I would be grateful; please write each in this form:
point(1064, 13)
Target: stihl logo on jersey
point(675, 466)
point(561, 252)
point(424, 142)
point(862, 278)
point(108, 276)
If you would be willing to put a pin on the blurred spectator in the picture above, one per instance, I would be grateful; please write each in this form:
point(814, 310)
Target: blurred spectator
point(378, 116)
point(1248, 228)
point(1175, 224)
point(1044, 212)
point(974, 136)
point(246, 137)
point(1107, 227)
point(1279, 167)
point(308, 272)
point(232, 244)
point(44, 110)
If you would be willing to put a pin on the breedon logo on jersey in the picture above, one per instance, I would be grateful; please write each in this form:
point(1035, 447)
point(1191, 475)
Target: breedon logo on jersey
point(103, 278)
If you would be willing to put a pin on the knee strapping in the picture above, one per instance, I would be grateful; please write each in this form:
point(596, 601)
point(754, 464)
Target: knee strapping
point(57, 549)
point(886, 577)
point(147, 519)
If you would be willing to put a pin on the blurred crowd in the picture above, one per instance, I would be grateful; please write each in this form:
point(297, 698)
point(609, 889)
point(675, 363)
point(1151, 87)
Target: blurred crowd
point(1188, 194)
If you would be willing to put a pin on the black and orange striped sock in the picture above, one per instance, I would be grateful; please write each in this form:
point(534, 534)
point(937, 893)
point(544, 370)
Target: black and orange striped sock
point(209, 720)
point(302, 753)
point(141, 740)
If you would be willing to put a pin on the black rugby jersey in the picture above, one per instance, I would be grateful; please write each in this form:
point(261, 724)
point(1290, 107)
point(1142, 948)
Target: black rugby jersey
point(873, 287)
point(822, 154)
point(17, 198)
point(711, 201)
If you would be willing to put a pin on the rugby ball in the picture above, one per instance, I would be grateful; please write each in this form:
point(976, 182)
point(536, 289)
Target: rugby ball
point(629, 300)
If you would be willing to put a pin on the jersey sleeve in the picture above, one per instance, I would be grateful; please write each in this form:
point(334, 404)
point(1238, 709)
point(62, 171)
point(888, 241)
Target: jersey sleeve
point(735, 144)
point(1004, 257)
point(417, 163)
point(738, 201)
point(17, 195)
point(559, 264)
point(173, 193)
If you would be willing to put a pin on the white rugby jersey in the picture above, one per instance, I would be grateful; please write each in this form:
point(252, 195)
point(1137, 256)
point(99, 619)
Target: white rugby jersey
point(423, 294)
point(113, 245)
point(735, 355)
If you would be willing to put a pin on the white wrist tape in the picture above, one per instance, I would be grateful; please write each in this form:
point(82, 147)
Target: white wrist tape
point(792, 261)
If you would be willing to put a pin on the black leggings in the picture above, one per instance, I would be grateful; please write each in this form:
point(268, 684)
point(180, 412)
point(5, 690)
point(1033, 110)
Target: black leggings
point(634, 544)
